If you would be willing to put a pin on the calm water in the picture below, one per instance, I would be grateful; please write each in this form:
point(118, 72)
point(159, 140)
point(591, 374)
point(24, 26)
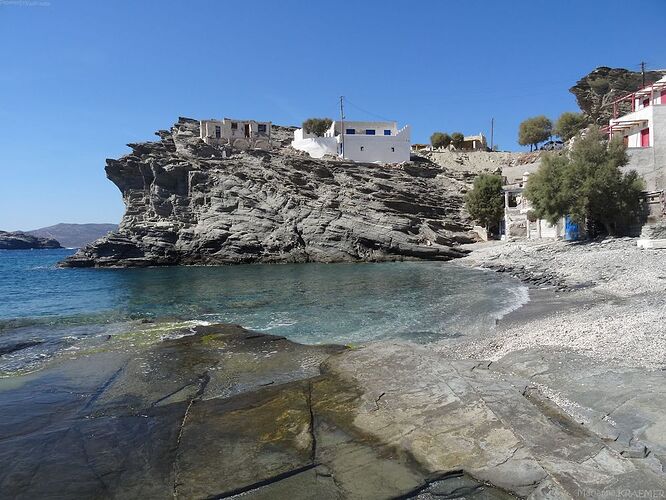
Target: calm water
point(344, 303)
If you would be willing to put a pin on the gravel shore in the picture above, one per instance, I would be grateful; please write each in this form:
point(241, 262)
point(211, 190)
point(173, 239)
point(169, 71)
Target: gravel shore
point(603, 299)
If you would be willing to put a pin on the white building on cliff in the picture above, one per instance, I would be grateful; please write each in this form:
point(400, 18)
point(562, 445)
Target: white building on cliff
point(370, 142)
point(238, 134)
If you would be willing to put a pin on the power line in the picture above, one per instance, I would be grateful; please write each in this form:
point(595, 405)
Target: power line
point(366, 111)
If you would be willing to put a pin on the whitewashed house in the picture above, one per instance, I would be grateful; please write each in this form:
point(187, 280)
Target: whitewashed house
point(237, 134)
point(643, 131)
point(370, 142)
point(475, 143)
point(518, 222)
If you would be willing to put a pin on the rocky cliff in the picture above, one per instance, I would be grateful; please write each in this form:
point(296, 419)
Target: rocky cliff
point(188, 204)
point(598, 89)
point(22, 241)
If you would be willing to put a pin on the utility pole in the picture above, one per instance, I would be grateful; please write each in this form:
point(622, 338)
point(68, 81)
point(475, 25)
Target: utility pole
point(492, 133)
point(342, 125)
point(643, 73)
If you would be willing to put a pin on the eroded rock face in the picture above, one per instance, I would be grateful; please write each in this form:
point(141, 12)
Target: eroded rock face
point(597, 90)
point(22, 241)
point(187, 204)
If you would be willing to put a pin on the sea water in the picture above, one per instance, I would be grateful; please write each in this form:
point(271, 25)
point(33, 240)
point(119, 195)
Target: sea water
point(345, 303)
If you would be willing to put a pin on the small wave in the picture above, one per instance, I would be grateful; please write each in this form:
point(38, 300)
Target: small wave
point(521, 297)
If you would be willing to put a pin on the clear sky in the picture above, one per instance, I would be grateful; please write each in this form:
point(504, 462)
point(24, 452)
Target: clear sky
point(80, 79)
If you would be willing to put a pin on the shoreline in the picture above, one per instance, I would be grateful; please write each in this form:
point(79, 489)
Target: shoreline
point(523, 411)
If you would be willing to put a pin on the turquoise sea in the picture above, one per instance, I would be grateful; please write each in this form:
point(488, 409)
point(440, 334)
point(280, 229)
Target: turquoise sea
point(45, 310)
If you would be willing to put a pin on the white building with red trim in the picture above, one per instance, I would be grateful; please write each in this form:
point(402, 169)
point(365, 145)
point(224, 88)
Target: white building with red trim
point(643, 131)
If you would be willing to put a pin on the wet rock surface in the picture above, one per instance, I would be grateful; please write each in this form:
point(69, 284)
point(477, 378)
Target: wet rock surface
point(531, 276)
point(224, 412)
point(188, 204)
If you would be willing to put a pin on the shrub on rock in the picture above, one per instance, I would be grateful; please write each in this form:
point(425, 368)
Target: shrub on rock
point(317, 126)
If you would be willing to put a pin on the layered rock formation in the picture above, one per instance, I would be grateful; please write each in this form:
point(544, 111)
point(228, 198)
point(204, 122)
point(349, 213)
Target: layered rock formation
point(597, 90)
point(186, 203)
point(22, 241)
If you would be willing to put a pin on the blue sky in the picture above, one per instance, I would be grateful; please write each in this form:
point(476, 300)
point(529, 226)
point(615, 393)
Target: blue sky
point(80, 79)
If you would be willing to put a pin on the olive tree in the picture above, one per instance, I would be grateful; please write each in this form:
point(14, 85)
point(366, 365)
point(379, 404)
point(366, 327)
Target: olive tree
point(587, 184)
point(457, 139)
point(485, 201)
point(317, 126)
point(440, 140)
point(534, 130)
point(569, 124)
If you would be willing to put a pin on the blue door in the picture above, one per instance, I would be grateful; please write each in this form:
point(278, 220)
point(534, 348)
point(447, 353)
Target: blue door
point(571, 229)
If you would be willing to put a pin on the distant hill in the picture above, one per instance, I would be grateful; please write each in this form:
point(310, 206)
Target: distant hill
point(74, 235)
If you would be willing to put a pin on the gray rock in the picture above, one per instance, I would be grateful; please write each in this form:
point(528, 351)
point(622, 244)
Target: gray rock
point(186, 204)
point(598, 89)
point(22, 241)
point(224, 412)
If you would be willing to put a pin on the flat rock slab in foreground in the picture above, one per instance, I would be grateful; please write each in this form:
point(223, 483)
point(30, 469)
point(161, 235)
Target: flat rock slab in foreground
point(224, 412)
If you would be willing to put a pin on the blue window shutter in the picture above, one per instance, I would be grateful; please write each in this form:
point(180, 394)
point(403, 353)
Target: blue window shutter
point(370, 131)
point(387, 132)
point(350, 131)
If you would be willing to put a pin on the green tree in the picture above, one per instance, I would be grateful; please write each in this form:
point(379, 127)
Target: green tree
point(317, 126)
point(569, 124)
point(534, 130)
point(440, 140)
point(457, 139)
point(587, 185)
point(485, 201)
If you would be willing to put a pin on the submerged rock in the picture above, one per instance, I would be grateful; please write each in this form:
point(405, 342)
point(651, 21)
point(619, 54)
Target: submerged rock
point(22, 241)
point(186, 203)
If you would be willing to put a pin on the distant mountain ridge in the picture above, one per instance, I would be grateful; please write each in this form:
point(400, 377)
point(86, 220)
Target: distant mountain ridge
point(74, 235)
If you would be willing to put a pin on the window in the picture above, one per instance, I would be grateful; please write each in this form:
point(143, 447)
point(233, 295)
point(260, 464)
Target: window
point(261, 128)
point(361, 148)
point(234, 126)
point(646, 102)
point(218, 132)
point(350, 131)
point(370, 131)
point(387, 132)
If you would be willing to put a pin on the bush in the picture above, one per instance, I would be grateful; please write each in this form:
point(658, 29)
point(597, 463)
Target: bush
point(534, 130)
point(485, 201)
point(457, 139)
point(569, 124)
point(587, 185)
point(317, 126)
point(440, 140)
